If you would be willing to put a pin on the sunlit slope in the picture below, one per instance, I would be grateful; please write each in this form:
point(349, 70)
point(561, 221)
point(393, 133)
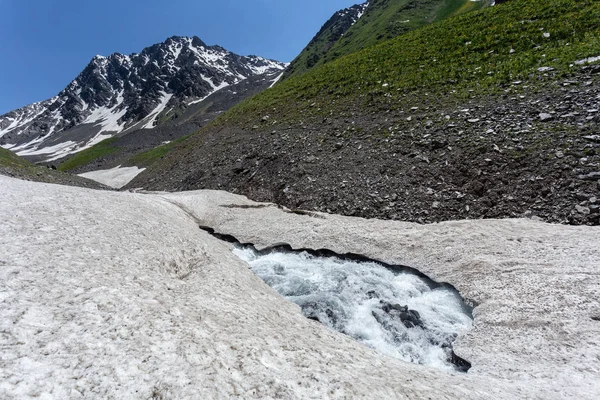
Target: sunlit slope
point(476, 51)
point(382, 20)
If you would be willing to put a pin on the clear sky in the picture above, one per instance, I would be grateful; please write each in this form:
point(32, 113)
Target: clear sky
point(44, 44)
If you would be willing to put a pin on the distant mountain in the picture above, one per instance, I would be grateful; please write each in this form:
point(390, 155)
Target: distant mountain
point(375, 21)
point(120, 94)
point(329, 34)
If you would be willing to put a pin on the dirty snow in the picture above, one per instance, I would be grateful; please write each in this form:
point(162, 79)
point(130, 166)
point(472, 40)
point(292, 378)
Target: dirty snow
point(115, 177)
point(120, 295)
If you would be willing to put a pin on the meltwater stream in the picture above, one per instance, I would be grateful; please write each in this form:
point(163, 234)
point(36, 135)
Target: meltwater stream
point(393, 310)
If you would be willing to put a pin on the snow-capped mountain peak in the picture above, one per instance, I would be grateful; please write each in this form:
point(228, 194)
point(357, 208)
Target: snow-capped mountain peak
point(120, 92)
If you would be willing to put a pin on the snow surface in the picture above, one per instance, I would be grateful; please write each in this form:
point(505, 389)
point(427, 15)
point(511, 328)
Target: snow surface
point(108, 118)
point(276, 80)
point(57, 151)
point(115, 177)
point(120, 295)
point(214, 90)
point(159, 108)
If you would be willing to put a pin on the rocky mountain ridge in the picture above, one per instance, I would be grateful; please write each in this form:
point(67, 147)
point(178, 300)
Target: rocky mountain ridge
point(123, 93)
point(329, 33)
point(375, 21)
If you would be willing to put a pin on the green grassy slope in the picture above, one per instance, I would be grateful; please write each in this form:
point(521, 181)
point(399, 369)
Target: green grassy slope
point(8, 159)
point(383, 20)
point(478, 51)
point(332, 31)
point(108, 147)
point(84, 157)
point(147, 158)
point(15, 166)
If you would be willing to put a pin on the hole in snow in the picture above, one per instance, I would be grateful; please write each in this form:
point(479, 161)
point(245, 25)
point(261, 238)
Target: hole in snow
point(395, 310)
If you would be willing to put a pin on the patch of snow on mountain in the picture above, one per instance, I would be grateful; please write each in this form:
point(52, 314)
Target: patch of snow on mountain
point(57, 151)
point(362, 11)
point(84, 106)
point(212, 84)
point(262, 65)
point(14, 122)
point(115, 177)
point(276, 80)
point(175, 49)
point(32, 145)
point(108, 118)
point(95, 140)
point(18, 119)
point(215, 89)
point(159, 108)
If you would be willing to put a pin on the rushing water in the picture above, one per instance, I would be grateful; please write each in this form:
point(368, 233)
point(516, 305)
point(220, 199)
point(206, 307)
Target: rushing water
point(367, 301)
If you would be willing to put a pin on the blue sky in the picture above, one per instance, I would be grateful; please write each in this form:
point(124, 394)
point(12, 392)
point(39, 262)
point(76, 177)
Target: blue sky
point(44, 44)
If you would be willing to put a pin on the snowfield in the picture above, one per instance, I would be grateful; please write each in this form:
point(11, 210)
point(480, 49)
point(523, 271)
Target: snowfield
point(115, 177)
point(120, 295)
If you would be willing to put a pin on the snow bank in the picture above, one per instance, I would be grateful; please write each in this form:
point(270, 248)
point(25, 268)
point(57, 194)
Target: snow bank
point(116, 177)
point(120, 295)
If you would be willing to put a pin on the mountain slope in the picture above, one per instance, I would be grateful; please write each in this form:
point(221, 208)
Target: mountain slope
point(135, 145)
point(327, 36)
point(497, 119)
point(119, 94)
point(15, 166)
point(375, 21)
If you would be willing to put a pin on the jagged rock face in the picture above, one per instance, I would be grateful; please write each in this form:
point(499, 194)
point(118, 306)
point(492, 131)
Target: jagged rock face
point(118, 93)
point(330, 33)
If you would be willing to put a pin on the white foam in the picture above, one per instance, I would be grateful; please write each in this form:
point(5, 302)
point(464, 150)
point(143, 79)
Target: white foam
point(337, 293)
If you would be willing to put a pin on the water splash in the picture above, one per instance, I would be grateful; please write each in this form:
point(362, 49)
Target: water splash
point(394, 310)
